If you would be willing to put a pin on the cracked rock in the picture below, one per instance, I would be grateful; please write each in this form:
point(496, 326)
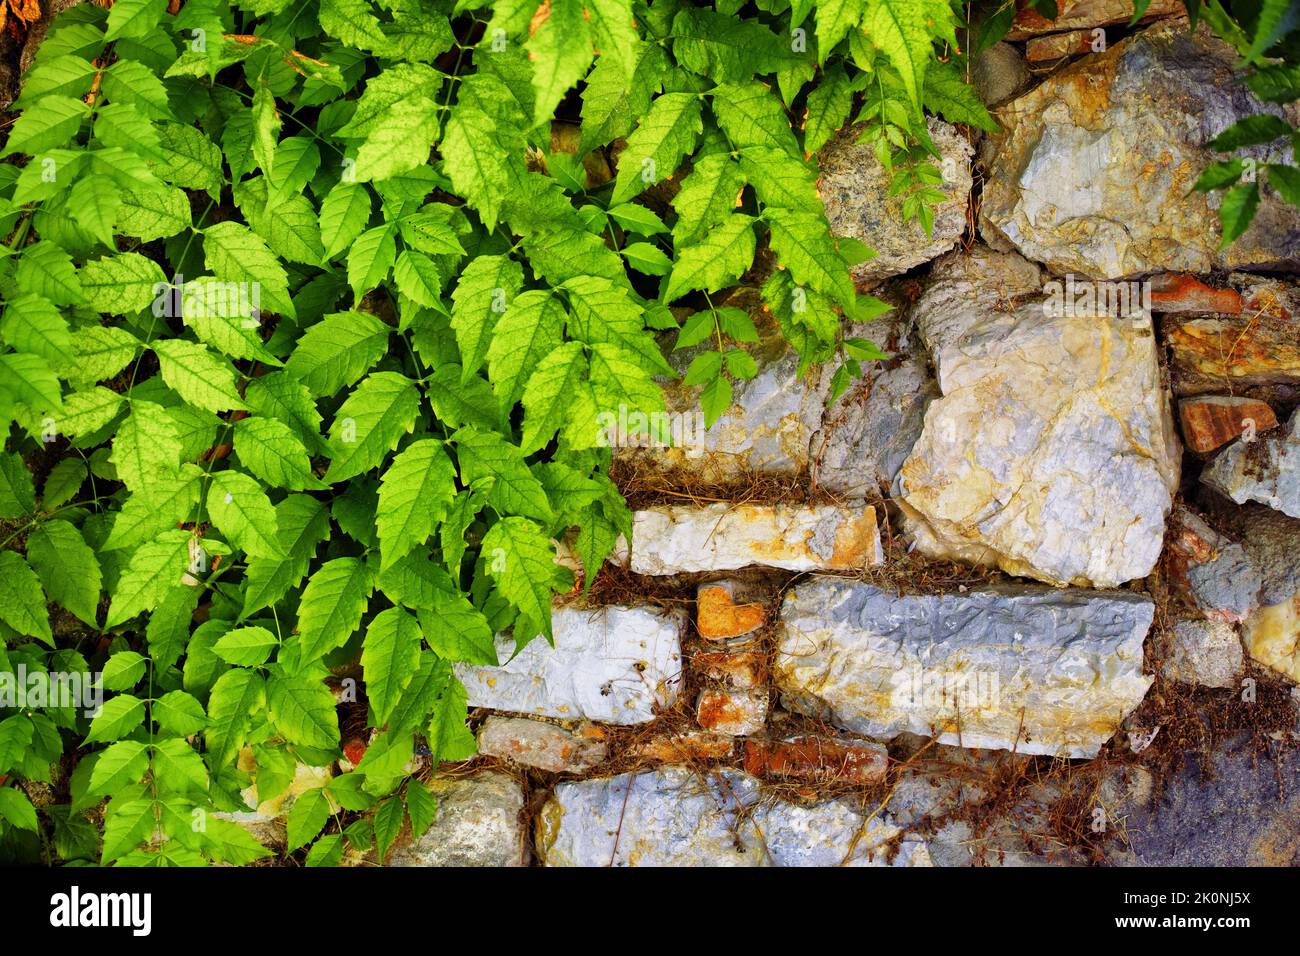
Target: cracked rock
point(724, 537)
point(1266, 470)
point(1051, 451)
point(1021, 667)
point(1093, 172)
point(676, 817)
point(613, 664)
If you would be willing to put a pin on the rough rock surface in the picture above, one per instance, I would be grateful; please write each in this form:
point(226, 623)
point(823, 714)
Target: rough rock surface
point(1272, 541)
point(1206, 653)
point(999, 73)
point(728, 609)
point(723, 537)
point(1227, 354)
point(534, 743)
point(1028, 668)
point(1211, 421)
point(868, 437)
point(1241, 809)
point(855, 188)
point(677, 817)
point(768, 426)
point(614, 664)
point(1266, 470)
point(1093, 172)
point(733, 713)
point(1214, 573)
point(477, 824)
point(1272, 637)
point(1052, 450)
point(1075, 14)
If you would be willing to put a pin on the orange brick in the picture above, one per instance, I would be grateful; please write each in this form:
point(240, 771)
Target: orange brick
point(719, 617)
point(811, 757)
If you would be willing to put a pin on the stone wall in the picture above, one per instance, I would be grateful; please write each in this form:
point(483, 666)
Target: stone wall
point(1028, 594)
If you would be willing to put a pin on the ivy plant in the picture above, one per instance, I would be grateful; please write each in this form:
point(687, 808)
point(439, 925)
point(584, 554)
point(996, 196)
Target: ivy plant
point(310, 311)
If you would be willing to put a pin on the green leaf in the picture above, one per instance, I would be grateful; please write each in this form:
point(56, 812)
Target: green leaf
point(898, 29)
point(1286, 180)
point(116, 718)
point(22, 602)
point(337, 351)
point(197, 375)
point(835, 18)
point(1236, 210)
point(17, 491)
point(67, 567)
point(17, 810)
point(118, 766)
point(155, 569)
point(484, 294)
point(558, 398)
point(1251, 131)
point(270, 450)
point(307, 817)
point(302, 709)
point(134, 18)
point(389, 658)
point(344, 214)
point(235, 254)
point(521, 559)
point(53, 125)
point(666, 134)
point(370, 259)
point(751, 115)
point(370, 423)
point(246, 646)
point(413, 497)
point(949, 95)
point(492, 465)
point(717, 260)
point(332, 605)
point(179, 713)
point(458, 631)
point(396, 120)
point(242, 512)
point(560, 48)
point(529, 331)
point(388, 824)
point(421, 807)
point(302, 523)
point(235, 697)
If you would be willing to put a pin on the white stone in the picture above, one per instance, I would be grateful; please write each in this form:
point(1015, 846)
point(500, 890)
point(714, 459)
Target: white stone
point(1206, 653)
point(723, 537)
point(613, 664)
point(1052, 451)
point(1265, 469)
point(534, 743)
point(478, 823)
point(1018, 667)
point(678, 817)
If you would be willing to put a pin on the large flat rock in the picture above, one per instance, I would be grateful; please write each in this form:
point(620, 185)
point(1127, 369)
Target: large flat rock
point(680, 539)
point(1052, 451)
point(1023, 667)
point(613, 664)
point(1093, 172)
point(674, 816)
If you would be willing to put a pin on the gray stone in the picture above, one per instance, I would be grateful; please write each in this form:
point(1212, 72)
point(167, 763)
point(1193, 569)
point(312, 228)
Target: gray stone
point(1222, 579)
point(867, 437)
point(678, 817)
point(999, 73)
point(478, 824)
point(767, 427)
point(1093, 171)
point(1021, 667)
point(1052, 451)
point(1240, 807)
point(1206, 653)
point(613, 664)
point(855, 189)
point(1272, 540)
point(1266, 469)
point(534, 743)
point(723, 537)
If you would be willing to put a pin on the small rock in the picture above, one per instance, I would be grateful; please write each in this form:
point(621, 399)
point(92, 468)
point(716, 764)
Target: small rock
point(534, 743)
point(720, 614)
point(675, 817)
point(683, 747)
point(866, 438)
point(1214, 354)
point(724, 537)
point(477, 824)
point(613, 664)
point(1083, 181)
point(743, 669)
point(1266, 470)
point(1213, 572)
point(815, 758)
point(1272, 541)
point(1272, 637)
point(1076, 14)
point(734, 713)
point(1034, 669)
point(1060, 45)
point(1181, 293)
point(1206, 653)
point(855, 189)
point(999, 73)
point(1211, 421)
